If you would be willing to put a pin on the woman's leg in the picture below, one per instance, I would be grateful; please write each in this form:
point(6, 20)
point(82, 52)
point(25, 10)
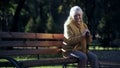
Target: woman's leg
point(93, 60)
point(81, 56)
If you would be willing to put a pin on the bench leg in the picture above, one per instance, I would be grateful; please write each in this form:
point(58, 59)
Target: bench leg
point(64, 66)
point(11, 60)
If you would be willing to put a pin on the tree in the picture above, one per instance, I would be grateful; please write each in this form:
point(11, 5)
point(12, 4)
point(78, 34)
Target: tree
point(16, 16)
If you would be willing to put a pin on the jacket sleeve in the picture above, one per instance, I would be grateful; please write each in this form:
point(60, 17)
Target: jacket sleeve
point(69, 37)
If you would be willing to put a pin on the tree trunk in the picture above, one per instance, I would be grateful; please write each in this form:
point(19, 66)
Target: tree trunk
point(14, 27)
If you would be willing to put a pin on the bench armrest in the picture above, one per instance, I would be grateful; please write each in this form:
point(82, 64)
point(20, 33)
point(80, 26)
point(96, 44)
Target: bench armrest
point(11, 60)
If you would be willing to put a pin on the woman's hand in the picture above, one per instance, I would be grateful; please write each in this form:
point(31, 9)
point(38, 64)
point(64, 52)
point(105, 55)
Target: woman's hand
point(85, 33)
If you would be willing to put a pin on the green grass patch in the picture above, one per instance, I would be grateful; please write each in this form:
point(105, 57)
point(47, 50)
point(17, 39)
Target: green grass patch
point(103, 48)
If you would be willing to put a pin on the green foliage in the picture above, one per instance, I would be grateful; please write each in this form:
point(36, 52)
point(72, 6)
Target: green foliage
point(30, 26)
point(49, 23)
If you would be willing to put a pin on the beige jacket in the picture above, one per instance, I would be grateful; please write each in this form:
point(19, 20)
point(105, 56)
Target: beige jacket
point(73, 40)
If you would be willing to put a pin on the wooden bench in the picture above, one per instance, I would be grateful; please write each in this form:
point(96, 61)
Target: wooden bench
point(17, 44)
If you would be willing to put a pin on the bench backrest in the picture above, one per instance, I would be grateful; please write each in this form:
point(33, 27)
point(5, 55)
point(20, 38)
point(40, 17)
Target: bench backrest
point(17, 43)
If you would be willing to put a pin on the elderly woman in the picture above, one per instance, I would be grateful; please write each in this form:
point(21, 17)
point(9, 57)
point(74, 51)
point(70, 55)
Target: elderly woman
point(76, 38)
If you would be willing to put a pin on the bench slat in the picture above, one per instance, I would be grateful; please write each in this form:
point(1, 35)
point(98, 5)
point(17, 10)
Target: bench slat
point(30, 35)
point(30, 43)
point(29, 52)
point(44, 62)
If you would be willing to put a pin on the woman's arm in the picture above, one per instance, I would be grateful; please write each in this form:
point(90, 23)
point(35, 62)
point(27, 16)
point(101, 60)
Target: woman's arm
point(70, 38)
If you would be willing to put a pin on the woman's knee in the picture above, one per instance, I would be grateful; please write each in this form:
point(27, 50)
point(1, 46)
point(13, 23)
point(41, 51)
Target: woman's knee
point(83, 58)
point(80, 55)
point(92, 56)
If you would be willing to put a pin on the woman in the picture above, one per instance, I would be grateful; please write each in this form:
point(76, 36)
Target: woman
point(76, 38)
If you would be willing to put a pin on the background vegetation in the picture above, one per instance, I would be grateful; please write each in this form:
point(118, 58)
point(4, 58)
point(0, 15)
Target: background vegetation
point(48, 16)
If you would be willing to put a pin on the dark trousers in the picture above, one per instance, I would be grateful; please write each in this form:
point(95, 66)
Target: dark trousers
point(84, 58)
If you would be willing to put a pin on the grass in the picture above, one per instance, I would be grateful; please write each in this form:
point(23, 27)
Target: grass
point(103, 48)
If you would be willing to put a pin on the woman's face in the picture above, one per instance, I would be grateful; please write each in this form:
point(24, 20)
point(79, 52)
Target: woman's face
point(78, 18)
